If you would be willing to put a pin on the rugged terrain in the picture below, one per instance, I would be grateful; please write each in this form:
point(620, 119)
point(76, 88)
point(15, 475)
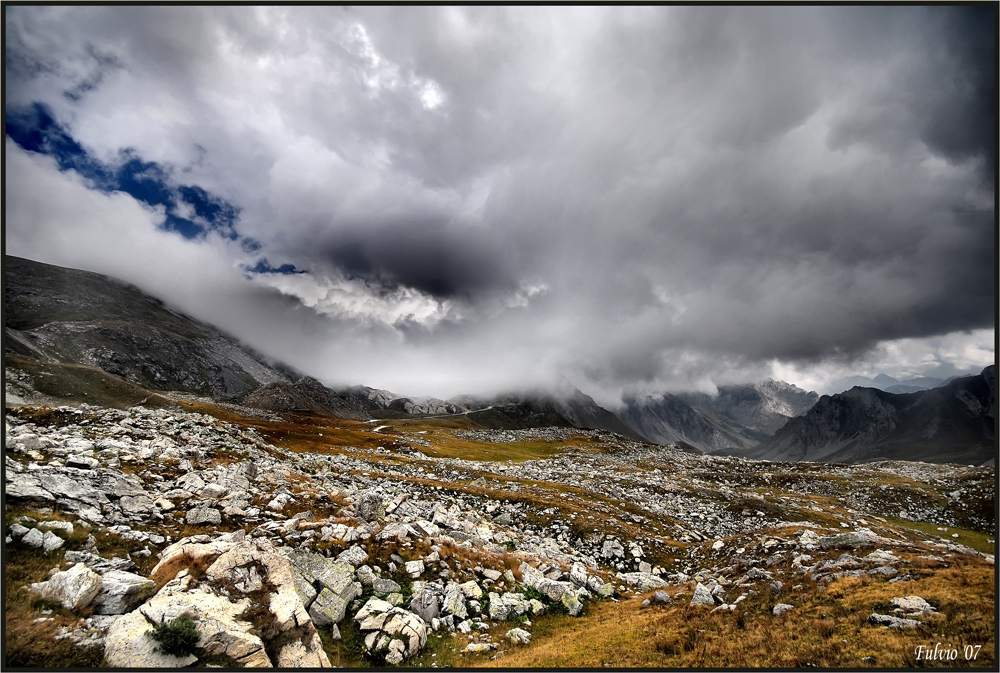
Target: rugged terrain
point(310, 540)
point(955, 422)
point(72, 335)
point(155, 468)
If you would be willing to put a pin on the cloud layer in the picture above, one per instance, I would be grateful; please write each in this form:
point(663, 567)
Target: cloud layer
point(643, 198)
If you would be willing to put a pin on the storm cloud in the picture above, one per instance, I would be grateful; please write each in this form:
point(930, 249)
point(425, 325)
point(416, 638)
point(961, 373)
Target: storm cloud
point(449, 200)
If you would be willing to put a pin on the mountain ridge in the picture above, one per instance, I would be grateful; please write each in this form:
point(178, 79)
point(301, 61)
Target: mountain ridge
point(955, 422)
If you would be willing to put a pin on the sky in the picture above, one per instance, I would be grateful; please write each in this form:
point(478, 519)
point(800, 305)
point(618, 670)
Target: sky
point(444, 200)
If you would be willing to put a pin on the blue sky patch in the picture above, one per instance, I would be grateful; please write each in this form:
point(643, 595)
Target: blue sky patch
point(263, 266)
point(35, 129)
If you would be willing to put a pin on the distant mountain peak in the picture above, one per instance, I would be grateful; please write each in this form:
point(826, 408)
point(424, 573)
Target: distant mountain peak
point(955, 422)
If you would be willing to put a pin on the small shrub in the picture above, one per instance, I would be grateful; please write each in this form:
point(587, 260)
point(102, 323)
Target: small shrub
point(532, 592)
point(178, 638)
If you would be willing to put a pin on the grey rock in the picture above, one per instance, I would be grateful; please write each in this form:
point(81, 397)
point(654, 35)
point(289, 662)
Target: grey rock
point(572, 603)
point(51, 541)
point(498, 610)
point(127, 646)
point(454, 601)
point(781, 608)
point(383, 585)
point(82, 462)
point(203, 515)
point(383, 624)
point(320, 571)
point(354, 555)
point(64, 526)
point(642, 581)
point(98, 564)
point(74, 589)
point(892, 622)
point(425, 603)
point(913, 605)
point(852, 540)
point(328, 608)
point(414, 568)
point(365, 575)
point(702, 596)
point(371, 507)
point(33, 538)
point(122, 592)
point(578, 575)
point(612, 549)
point(518, 636)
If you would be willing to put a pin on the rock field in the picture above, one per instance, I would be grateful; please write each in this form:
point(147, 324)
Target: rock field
point(274, 551)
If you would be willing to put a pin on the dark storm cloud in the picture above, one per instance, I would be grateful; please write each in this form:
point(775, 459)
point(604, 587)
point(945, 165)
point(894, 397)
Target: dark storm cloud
point(945, 96)
point(679, 194)
point(424, 255)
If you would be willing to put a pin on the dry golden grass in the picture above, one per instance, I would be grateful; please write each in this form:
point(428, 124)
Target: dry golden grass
point(31, 643)
point(827, 628)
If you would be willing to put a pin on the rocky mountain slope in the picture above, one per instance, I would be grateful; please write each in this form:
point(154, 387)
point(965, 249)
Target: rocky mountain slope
point(953, 423)
point(567, 408)
point(119, 521)
point(761, 407)
point(65, 316)
point(734, 420)
point(668, 419)
point(71, 316)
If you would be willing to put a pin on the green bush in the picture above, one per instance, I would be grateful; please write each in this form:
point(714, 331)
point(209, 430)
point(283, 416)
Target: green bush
point(178, 638)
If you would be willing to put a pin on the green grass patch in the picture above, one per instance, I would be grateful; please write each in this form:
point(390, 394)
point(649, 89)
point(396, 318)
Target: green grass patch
point(969, 538)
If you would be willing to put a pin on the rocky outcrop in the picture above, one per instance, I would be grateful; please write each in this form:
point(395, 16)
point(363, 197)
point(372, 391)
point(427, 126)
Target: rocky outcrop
point(246, 603)
point(762, 407)
point(73, 589)
point(390, 633)
point(122, 592)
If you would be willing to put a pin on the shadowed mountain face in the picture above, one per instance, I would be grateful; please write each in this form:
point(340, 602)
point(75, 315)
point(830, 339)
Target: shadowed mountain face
point(568, 408)
point(733, 421)
point(953, 423)
point(65, 316)
point(71, 316)
point(58, 315)
point(760, 407)
point(667, 419)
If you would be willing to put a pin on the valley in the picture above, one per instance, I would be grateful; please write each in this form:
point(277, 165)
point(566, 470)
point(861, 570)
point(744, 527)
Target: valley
point(299, 525)
point(620, 542)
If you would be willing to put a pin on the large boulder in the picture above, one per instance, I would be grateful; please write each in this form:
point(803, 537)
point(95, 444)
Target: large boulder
point(390, 632)
point(425, 603)
point(203, 515)
point(643, 581)
point(891, 622)
point(122, 592)
point(861, 537)
point(127, 645)
point(454, 601)
point(702, 596)
point(246, 598)
point(328, 608)
point(354, 555)
point(371, 507)
point(197, 552)
point(73, 589)
point(551, 589)
point(319, 572)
